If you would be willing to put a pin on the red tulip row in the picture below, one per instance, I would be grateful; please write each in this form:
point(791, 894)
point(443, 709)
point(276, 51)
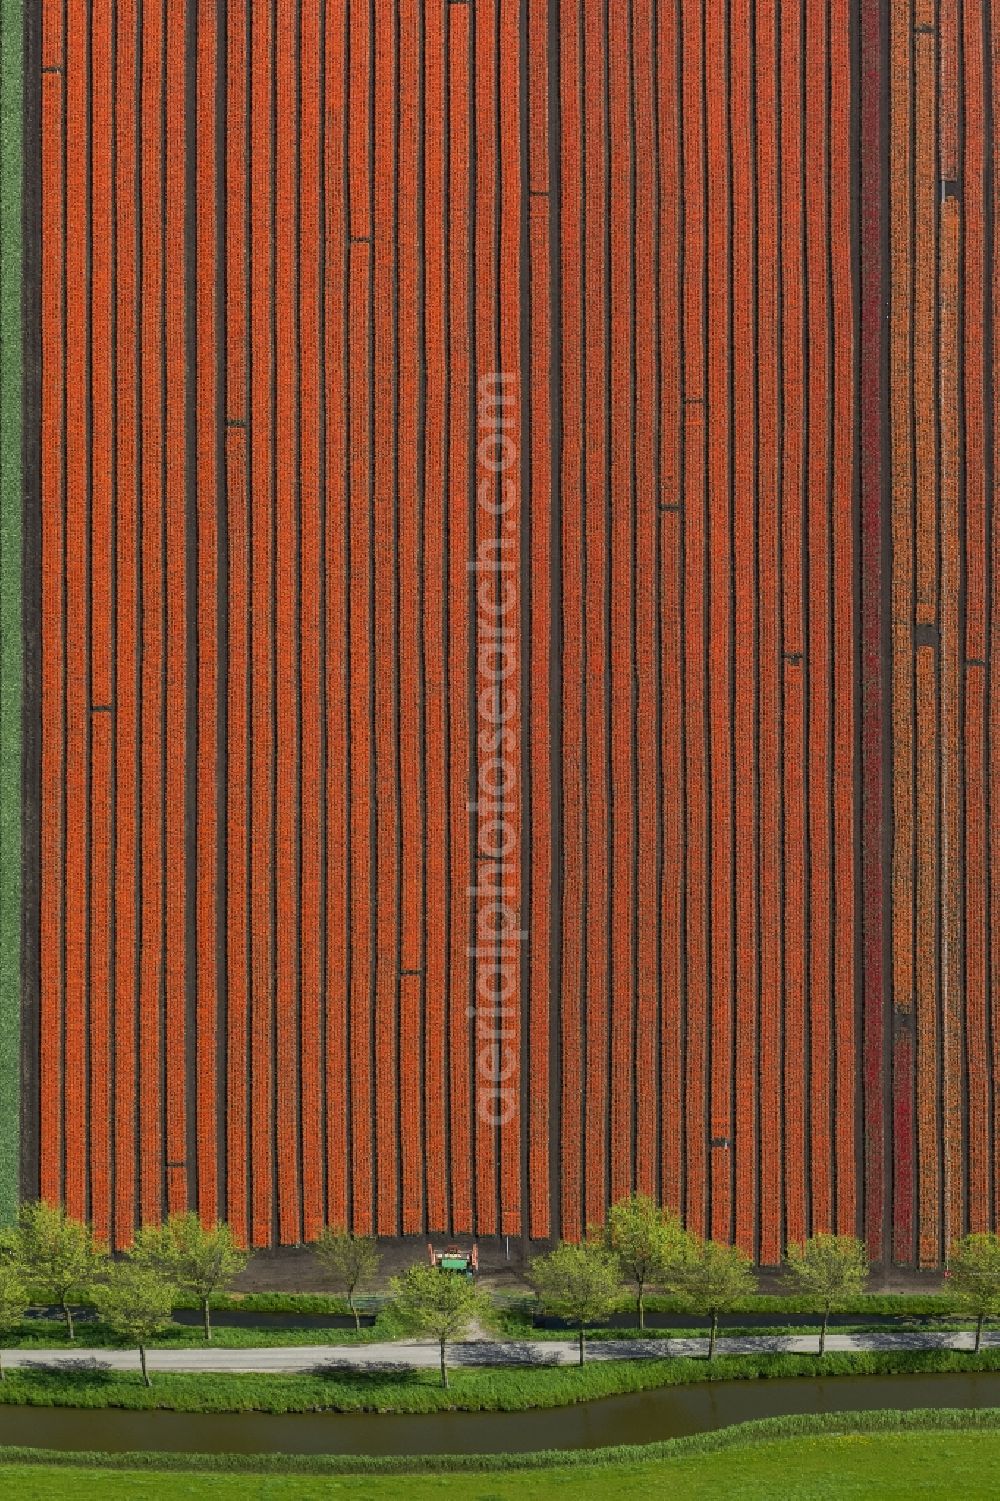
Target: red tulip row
point(933, 1148)
point(485, 86)
point(359, 461)
point(101, 641)
point(671, 414)
point(845, 875)
point(289, 804)
point(460, 549)
point(951, 670)
point(718, 584)
point(434, 637)
point(696, 833)
point(313, 795)
point(647, 792)
point(795, 375)
point(977, 498)
point(238, 844)
point(99, 1022)
point(152, 607)
point(384, 249)
point(692, 378)
point(744, 623)
point(671, 958)
point(262, 665)
point(977, 931)
point(543, 723)
point(208, 754)
point(768, 357)
point(177, 585)
point(927, 1031)
point(619, 543)
point(900, 588)
point(127, 794)
point(513, 192)
point(358, 737)
point(238, 630)
point(815, 673)
point(568, 718)
point(793, 1072)
point(903, 1147)
point(411, 1129)
point(412, 512)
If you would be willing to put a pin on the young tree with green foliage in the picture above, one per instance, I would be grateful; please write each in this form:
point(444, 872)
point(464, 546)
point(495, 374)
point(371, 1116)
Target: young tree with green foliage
point(136, 1302)
point(642, 1236)
point(973, 1275)
point(349, 1261)
point(13, 1298)
point(709, 1278)
point(828, 1268)
point(439, 1305)
point(59, 1255)
point(581, 1283)
point(199, 1260)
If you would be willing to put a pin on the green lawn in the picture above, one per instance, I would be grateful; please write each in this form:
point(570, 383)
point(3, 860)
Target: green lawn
point(882, 1466)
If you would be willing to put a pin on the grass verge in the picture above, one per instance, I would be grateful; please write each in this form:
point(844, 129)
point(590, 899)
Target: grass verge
point(483, 1389)
point(50, 1334)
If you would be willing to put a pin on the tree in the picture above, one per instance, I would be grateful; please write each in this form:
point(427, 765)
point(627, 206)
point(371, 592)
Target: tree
point(642, 1236)
point(349, 1261)
point(440, 1305)
point(709, 1278)
point(136, 1302)
point(199, 1260)
point(58, 1254)
point(974, 1275)
point(581, 1283)
point(828, 1268)
point(13, 1298)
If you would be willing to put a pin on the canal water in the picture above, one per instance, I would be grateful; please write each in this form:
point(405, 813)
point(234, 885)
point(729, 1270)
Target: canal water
point(636, 1418)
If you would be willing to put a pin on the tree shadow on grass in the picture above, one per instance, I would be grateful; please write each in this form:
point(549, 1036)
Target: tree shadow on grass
point(56, 1376)
point(375, 1377)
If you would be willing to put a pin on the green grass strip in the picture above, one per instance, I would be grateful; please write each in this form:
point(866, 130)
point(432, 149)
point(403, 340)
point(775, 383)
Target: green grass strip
point(740, 1435)
point(483, 1389)
point(11, 166)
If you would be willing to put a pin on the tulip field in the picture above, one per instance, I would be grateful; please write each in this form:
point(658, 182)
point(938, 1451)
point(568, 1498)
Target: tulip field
point(509, 578)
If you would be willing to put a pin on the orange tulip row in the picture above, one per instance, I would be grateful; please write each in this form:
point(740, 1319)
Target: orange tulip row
point(289, 566)
point(238, 627)
point(536, 629)
point(975, 374)
point(102, 635)
point(434, 637)
point(620, 545)
point(646, 414)
point(951, 673)
point(177, 584)
point(209, 748)
point(262, 597)
point(313, 796)
point(570, 715)
point(903, 1147)
point(358, 738)
point(460, 550)
point(745, 622)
